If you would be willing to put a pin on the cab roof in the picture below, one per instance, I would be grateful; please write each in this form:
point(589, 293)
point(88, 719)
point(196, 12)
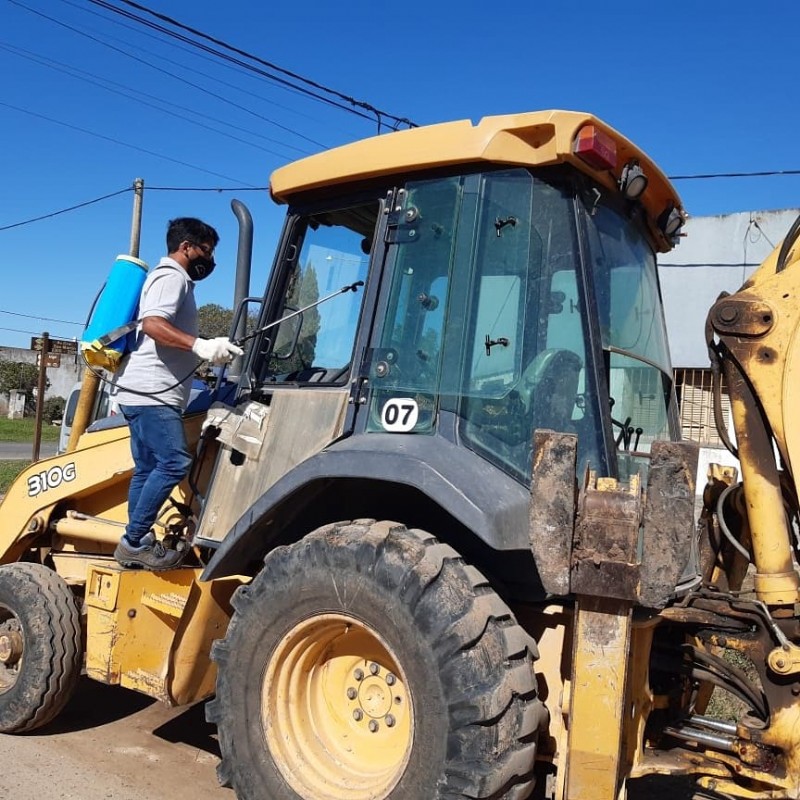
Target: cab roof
point(533, 139)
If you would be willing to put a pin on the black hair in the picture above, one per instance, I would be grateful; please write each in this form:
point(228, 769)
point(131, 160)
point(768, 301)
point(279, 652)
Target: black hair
point(189, 229)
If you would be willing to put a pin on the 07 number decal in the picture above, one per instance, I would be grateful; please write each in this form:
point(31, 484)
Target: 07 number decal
point(399, 415)
point(50, 479)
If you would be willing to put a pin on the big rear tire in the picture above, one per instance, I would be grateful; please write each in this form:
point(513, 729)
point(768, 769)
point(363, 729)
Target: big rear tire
point(40, 646)
point(369, 662)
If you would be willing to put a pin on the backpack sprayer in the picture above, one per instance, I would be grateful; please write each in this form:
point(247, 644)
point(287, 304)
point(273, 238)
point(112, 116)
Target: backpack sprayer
point(113, 314)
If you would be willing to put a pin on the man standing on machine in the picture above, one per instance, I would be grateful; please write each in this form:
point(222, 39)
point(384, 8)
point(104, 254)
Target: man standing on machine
point(153, 383)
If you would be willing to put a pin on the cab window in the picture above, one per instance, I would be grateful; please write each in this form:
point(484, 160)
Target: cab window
point(314, 342)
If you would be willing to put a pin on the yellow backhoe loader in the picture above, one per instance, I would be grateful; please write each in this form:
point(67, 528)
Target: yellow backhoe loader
point(443, 531)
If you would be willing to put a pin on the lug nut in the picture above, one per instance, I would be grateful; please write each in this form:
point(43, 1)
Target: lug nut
point(390, 679)
point(351, 693)
point(373, 726)
point(390, 720)
point(358, 715)
point(374, 668)
point(359, 674)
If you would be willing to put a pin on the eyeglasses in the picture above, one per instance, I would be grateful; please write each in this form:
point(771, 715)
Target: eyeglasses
point(206, 249)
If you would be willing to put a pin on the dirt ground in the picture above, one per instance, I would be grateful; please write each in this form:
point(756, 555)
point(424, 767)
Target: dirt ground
point(114, 744)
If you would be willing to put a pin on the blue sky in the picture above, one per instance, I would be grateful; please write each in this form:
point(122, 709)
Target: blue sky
point(89, 101)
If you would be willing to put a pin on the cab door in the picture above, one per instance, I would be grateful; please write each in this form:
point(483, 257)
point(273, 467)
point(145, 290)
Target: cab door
point(298, 392)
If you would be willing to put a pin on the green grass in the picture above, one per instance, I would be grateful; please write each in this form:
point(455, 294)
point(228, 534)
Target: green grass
point(8, 471)
point(21, 430)
point(723, 704)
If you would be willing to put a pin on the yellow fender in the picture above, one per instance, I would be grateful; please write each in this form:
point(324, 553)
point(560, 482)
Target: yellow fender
point(102, 459)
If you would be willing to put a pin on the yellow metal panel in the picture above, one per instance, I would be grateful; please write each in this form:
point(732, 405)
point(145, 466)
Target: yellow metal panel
point(640, 700)
point(791, 382)
point(152, 632)
point(124, 638)
point(551, 628)
point(127, 642)
point(296, 425)
point(102, 587)
point(531, 139)
point(597, 695)
point(170, 603)
point(30, 499)
point(207, 613)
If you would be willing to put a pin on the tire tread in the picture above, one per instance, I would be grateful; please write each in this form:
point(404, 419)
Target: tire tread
point(38, 587)
point(485, 658)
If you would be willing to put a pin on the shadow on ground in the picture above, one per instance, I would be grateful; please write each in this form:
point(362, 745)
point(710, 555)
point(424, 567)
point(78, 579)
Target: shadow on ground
point(96, 704)
point(662, 787)
point(191, 728)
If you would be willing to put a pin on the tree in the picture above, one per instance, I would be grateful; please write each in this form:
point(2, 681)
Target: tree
point(22, 377)
point(53, 409)
point(303, 290)
point(214, 320)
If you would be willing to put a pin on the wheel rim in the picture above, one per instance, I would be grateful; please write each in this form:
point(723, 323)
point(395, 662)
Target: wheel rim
point(11, 649)
point(337, 711)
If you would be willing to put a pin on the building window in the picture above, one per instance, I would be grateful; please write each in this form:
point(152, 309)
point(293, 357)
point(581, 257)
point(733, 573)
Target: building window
point(696, 404)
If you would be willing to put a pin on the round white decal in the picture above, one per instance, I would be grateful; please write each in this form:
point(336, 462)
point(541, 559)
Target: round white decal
point(399, 415)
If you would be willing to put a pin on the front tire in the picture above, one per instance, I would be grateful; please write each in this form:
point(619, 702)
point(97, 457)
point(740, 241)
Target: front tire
point(369, 662)
point(40, 646)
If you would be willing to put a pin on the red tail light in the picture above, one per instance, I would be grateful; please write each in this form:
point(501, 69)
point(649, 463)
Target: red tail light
point(596, 148)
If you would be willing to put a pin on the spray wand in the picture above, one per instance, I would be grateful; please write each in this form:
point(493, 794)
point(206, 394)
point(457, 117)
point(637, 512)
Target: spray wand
point(352, 287)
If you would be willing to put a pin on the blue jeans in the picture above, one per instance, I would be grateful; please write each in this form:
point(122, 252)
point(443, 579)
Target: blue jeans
point(161, 461)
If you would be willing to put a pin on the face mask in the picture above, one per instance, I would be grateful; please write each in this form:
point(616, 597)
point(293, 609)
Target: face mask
point(200, 268)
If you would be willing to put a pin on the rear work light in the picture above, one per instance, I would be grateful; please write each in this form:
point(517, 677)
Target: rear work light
point(596, 148)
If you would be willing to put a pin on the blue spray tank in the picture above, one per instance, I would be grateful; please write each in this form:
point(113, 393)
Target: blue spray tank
point(113, 316)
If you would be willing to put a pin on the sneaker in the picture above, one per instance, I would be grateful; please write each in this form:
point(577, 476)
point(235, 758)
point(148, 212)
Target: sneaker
point(149, 554)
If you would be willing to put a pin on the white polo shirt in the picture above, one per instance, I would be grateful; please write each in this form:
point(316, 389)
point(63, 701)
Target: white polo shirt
point(151, 369)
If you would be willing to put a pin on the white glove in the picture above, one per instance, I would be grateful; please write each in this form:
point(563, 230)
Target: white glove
point(218, 351)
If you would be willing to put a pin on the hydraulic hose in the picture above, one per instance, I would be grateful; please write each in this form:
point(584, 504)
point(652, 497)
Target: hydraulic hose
point(788, 242)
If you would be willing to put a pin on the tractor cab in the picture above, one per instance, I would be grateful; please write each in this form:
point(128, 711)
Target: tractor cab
point(498, 300)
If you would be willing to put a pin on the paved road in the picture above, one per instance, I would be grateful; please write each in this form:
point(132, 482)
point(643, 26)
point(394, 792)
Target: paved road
point(18, 451)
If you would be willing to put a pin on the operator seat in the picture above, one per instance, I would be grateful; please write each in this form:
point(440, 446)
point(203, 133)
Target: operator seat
point(549, 388)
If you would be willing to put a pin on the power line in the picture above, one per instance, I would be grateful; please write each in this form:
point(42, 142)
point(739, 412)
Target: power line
point(62, 211)
point(44, 319)
point(206, 189)
point(218, 189)
point(19, 330)
point(250, 188)
point(368, 107)
point(754, 223)
point(165, 72)
point(121, 143)
point(760, 174)
point(126, 91)
point(193, 51)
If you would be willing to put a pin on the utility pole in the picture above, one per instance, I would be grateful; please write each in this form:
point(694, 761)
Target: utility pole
point(90, 382)
point(41, 389)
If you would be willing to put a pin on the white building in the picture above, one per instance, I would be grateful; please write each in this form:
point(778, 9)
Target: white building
point(717, 254)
